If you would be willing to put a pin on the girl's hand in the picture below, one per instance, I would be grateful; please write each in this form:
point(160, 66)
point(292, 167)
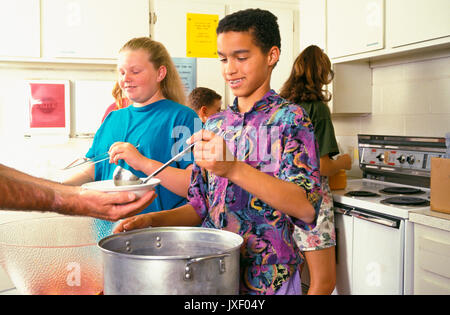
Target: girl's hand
point(126, 151)
point(346, 161)
point(211, 153)
point(137, 222)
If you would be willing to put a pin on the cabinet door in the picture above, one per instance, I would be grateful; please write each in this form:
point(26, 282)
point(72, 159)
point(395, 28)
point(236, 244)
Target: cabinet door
point(354, 26)
point(377, 258)
point(286, 23)
point(91, 29)
point(20, 28)
point(431, 260)
point(413, 21)
point(170, 29)
point(351, 88)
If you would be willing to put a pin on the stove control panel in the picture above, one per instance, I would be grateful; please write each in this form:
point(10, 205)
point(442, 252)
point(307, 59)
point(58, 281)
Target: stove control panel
point(404, 159)
point(399, 159)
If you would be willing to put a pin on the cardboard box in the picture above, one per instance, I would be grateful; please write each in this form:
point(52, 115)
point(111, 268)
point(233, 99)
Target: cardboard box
point(440, 185)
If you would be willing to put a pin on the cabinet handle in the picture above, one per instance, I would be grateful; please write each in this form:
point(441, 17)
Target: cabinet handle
point(376, 219)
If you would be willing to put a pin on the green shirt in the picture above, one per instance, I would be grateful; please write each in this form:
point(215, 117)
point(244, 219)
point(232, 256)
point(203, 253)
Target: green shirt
point(320, 116)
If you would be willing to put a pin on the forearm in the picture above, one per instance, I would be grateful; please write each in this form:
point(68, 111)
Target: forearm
point(329, 167)
point(85, 175)
point(279, 194)
point(15, 175)
point(20, 191)
point(181, 216)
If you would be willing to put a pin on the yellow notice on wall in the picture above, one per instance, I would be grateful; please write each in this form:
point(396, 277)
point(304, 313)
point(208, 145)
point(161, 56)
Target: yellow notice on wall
point(201, 38)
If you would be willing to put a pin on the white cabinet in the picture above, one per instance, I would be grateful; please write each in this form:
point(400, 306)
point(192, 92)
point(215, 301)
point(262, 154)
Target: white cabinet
point(20, 32)
point(413, 21)
point(354, 26)
point(170, 29)
point(351, 88)
point(431, 260)
point(369, 254)
point(91, 29)
point(377, 259)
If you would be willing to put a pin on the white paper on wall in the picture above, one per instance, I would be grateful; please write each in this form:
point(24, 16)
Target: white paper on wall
point(92, 98)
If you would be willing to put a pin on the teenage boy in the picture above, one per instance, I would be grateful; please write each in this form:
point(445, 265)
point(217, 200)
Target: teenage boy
point(271, 181)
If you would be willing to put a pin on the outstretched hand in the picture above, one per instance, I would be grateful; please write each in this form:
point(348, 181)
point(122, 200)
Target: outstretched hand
point(112, 206)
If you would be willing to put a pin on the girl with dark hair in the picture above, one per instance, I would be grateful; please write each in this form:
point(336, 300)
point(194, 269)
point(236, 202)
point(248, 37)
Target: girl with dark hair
point(310, 74)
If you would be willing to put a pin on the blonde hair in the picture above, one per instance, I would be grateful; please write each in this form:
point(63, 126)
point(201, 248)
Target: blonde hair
point(171, 86)
point(121, 100)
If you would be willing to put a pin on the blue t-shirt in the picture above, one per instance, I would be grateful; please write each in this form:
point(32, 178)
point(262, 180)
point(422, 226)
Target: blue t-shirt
point(160, 129)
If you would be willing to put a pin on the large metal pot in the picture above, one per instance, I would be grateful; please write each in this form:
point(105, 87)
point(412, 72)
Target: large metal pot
point(171, 260)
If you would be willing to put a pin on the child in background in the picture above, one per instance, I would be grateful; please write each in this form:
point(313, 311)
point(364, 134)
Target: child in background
point(262, 177)
point(205, 102)
point(305, 86)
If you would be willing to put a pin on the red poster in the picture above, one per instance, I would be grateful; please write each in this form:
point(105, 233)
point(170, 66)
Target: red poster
point(47, 105)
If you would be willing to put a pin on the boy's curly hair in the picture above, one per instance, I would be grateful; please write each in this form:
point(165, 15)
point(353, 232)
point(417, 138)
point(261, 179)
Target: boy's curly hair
point(261, 24)
point(202, 96)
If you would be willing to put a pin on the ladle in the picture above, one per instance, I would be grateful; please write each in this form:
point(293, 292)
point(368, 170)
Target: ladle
point(123, 177)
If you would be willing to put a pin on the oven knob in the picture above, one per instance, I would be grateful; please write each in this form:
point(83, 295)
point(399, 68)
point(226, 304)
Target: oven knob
point(411, 159)
point(380, 157)
point(401, 159)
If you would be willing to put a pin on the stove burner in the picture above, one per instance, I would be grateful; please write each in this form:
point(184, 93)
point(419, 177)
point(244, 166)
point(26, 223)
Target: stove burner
point(401, 190)
point(361, 193)
point(406, 201)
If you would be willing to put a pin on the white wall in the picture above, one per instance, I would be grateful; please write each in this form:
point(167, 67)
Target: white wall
point(40, 156)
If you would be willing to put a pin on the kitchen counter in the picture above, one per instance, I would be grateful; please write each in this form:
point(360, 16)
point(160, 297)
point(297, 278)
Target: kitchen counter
point(430, 218)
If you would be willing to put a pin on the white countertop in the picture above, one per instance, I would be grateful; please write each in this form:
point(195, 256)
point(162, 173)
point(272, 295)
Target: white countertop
point(430, 218)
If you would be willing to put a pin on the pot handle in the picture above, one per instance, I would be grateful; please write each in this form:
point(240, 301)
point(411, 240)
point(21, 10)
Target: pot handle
point(188, 269)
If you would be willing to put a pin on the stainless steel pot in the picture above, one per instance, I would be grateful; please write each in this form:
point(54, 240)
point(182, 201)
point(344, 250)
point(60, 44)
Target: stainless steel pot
point(171, 260)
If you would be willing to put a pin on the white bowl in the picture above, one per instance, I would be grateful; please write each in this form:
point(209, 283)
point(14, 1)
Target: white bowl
point(108, 186)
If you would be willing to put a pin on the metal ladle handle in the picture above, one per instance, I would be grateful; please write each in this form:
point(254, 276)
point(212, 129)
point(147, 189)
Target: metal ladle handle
point(216, 130)
point(168, 163)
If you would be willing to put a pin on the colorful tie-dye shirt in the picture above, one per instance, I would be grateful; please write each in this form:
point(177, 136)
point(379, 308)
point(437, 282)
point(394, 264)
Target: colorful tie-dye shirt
point(277, 138)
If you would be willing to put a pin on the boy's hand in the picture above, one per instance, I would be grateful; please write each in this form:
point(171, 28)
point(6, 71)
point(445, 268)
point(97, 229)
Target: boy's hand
point(137, 222)
point(211, 153)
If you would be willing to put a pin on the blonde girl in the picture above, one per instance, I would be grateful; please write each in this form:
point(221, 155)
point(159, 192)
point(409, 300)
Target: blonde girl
point(157, 121)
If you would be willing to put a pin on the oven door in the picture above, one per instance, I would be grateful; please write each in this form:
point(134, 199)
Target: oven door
point(376, 256)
